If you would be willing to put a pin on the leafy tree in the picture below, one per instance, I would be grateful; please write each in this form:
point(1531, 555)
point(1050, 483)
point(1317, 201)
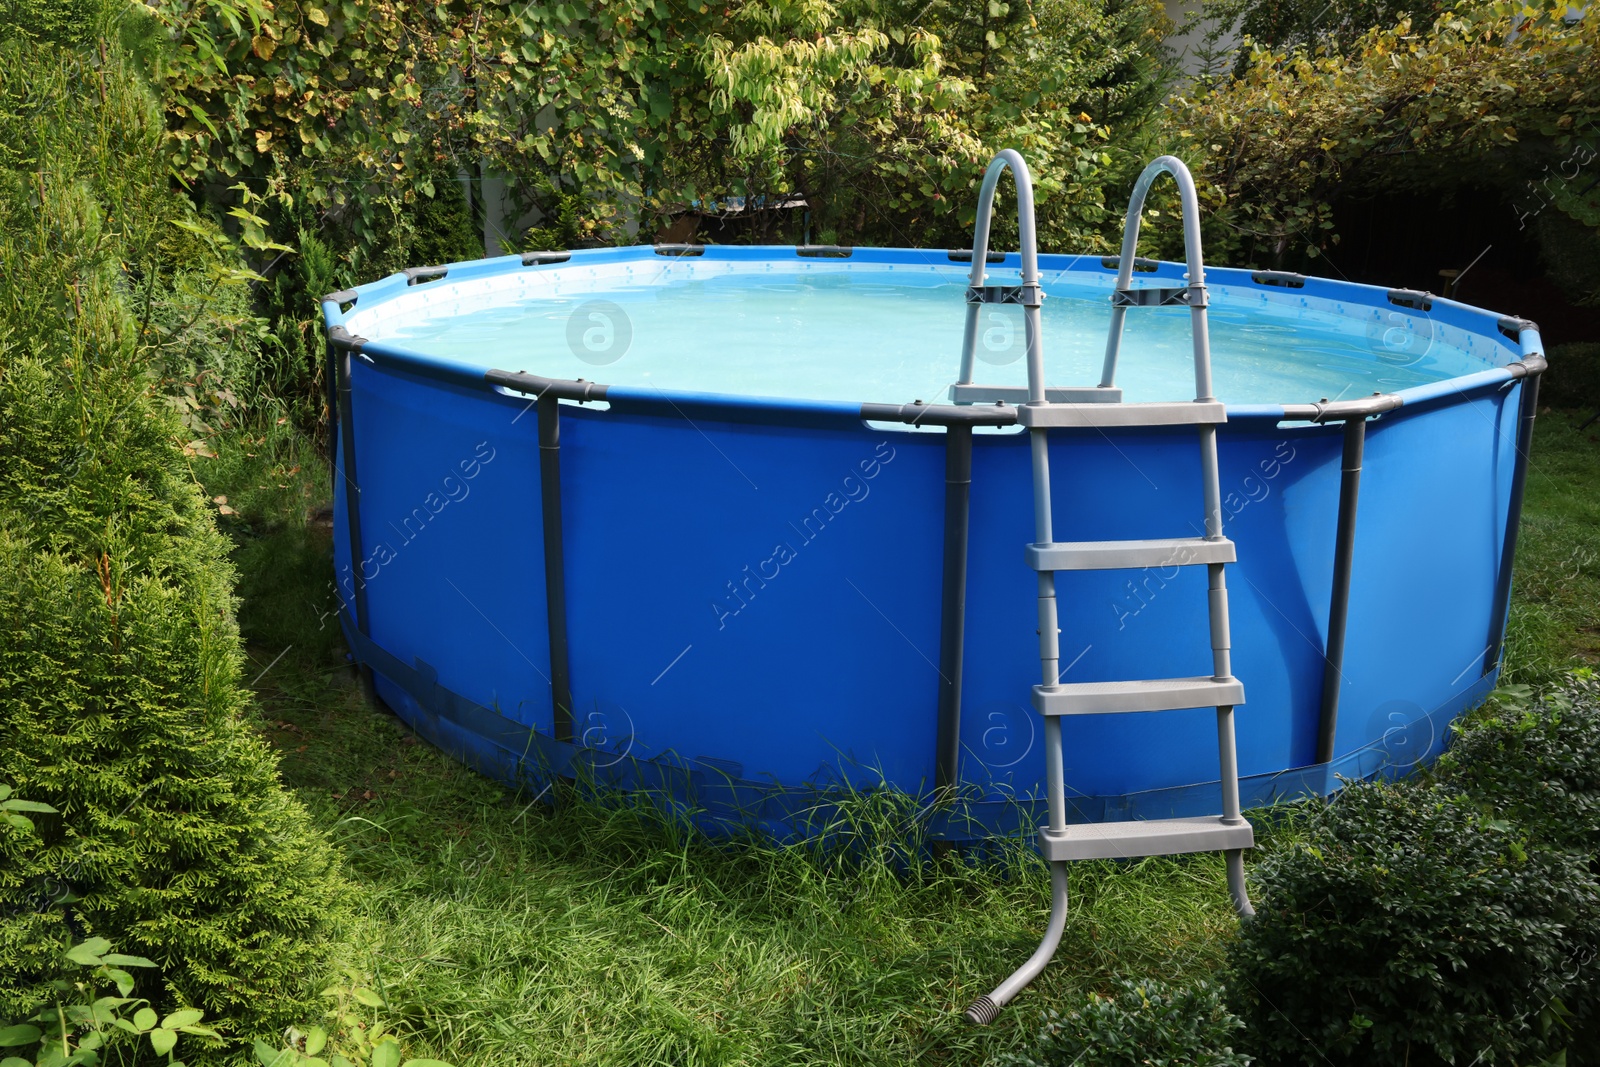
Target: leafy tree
point(1465, 102)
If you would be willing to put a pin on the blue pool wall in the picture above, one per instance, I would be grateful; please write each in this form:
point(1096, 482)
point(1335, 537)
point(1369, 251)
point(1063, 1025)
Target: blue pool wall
point(754, 586)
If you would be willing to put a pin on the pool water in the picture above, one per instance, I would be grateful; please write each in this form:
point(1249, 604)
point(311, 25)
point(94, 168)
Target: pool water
point(871, 333)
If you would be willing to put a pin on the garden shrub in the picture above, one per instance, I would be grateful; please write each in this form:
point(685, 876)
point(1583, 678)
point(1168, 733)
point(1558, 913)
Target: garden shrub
point(1142, 1023)
point(1573, 380)
point(1537, 763)
point(121, 704)
point(1432, 106)
point(1412, 926)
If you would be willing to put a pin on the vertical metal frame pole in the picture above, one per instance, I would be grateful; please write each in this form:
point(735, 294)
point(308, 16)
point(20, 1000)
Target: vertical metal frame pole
point(1344, 550)
point(1528, 410)
point(555, 571)
point(346, 465)
point(953, 610)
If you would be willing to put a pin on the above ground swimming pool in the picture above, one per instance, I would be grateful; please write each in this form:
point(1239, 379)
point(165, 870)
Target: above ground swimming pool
point(702, 521)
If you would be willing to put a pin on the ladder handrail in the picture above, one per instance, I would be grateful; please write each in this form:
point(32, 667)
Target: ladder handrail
point(1189, 200)
point(1007, 159)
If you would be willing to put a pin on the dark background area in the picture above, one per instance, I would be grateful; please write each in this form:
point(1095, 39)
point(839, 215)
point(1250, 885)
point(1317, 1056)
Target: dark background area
point(1404, 240)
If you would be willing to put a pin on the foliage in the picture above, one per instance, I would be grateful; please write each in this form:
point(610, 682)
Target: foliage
point(354, 1037)
point(11, 808)
point(82, 1026)
point(120, 697)
point(1407, 109)
point(1144, 1022)
point(885, 131)
point(1413, 926)
point(641, 106)
point(67, 22)
point(1573, 380)
point(1537, 762)
point(1332, 26)
point(1571, 254)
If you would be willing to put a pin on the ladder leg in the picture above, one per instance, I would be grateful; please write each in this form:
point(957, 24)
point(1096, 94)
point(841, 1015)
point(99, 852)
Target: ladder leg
point(1236, 886)
point(1230, 810)
point(985, 1008)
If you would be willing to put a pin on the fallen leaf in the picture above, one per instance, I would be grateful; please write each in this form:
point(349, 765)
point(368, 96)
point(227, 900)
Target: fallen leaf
point(219, 500)
point(223, 509)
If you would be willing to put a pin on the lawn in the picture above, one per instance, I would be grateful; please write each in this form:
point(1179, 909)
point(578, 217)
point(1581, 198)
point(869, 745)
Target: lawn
point(502, 930)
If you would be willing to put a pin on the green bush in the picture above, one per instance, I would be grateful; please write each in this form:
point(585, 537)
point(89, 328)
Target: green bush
point(1536, 763)
point(120, 697)
point(1413, 927)
point(1539, 764)
point(1573, 380)
point(1485, 96)
point(1142, 1023)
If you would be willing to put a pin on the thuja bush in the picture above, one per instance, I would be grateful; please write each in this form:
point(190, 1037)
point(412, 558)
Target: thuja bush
point(121, 705)
point(1415, 925)
point(1142, 1023)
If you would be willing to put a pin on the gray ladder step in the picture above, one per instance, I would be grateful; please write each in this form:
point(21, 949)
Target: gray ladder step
point(1158, 694)
point(970, 393)
point(1117, 555)
point(1167, 413)
point(1153, 837)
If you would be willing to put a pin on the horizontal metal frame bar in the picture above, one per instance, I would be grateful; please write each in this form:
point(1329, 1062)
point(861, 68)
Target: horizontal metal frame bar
point(534, 385)
point(424, 274)
point(940, 414)
point(1342, 410)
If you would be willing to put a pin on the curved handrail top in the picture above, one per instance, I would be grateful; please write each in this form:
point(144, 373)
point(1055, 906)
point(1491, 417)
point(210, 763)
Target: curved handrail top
point(1188, 198)
point(1007, 158)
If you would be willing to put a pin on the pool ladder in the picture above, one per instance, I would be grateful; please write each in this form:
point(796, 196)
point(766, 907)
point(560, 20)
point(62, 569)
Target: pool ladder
point(1041, 409)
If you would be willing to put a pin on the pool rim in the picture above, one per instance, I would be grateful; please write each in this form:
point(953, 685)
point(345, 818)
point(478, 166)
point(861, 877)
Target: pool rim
point(1517, 337)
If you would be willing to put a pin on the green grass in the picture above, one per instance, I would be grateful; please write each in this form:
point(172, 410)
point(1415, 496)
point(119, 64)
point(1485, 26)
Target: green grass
point(502, 931)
